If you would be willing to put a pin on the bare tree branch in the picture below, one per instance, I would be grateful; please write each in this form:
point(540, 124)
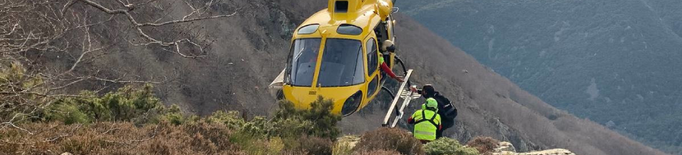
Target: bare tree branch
point(185, 20)
point(11, 124)
point(153, 40)
point(64, 134)
point(31, 29)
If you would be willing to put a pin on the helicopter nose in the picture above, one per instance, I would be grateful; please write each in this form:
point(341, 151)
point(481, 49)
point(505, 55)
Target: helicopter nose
point(302, 97)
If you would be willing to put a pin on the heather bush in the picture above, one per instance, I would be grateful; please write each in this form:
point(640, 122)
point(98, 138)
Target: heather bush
point(389, 139)
point(447, 146)
point(118, 138)
point(484, 145)
point(315, 145)
point(377, 152)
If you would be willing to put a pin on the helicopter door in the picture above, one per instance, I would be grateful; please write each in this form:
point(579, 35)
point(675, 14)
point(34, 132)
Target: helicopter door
point(372, 67)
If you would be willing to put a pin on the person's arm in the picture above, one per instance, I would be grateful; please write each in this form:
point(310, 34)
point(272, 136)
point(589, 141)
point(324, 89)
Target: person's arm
point(415, 90)
point(390, 73)
point(411, 119)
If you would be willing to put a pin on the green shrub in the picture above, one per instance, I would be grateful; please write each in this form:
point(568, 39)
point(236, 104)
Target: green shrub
point(317, 121)
point(21, 91)
point(173, 115)
point(292, 127)
point(129, 103)
point(310, 131)
point(447, 146)
point(389, 139)
point(69, 114)
point(258, 126)
point(231, 119)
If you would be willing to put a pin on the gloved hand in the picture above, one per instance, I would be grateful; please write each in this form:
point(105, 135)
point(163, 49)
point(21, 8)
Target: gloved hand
point(400, 79)
point(413, 88)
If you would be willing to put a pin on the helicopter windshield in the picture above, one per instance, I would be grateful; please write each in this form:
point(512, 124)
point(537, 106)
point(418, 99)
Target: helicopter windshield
point(342, 63)
point(302, 62)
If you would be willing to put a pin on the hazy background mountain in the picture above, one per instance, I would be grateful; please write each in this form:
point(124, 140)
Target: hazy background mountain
point(615, 62)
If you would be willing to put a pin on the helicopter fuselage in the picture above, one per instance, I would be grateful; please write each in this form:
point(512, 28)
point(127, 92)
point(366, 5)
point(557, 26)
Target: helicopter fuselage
point(335, 54)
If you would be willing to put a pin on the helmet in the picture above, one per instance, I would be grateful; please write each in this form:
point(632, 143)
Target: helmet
point(388, 46)
point(430, 103)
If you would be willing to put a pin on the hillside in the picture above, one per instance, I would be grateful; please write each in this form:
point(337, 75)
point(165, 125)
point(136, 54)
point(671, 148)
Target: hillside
point(242, 53)
point(492, 105)
point(613, 62)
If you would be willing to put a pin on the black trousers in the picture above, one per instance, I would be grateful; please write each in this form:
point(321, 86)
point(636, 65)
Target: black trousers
point(439, 133)
point(446, 125)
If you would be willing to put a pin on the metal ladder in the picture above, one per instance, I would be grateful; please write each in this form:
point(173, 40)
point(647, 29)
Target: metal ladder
point(406, 97)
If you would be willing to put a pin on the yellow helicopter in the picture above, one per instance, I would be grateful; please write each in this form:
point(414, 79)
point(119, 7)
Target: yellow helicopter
point(335, 54)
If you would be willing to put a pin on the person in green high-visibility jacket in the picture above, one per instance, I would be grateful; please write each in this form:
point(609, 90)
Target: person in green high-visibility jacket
point(426, 121)
point(388, 47)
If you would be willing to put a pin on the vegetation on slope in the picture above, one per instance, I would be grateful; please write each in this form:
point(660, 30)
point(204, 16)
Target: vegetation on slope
point(448, 146)
point(131, 120)
point(240, 56)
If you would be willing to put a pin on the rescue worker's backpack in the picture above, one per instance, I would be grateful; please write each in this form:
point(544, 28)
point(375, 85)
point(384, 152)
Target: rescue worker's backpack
point(446, 110)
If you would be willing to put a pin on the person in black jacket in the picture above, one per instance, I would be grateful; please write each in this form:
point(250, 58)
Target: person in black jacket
point(446, 110)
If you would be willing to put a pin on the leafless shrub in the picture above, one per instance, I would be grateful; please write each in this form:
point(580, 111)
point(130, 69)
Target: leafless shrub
point(46, 45)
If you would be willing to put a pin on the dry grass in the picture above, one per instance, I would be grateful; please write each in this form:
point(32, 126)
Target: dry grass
point(189, 138)
point(316, 145)
point(484, 145)
point(118, 138)
point(377, 152)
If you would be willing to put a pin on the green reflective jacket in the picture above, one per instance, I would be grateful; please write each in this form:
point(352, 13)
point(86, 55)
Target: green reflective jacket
point(426, 124)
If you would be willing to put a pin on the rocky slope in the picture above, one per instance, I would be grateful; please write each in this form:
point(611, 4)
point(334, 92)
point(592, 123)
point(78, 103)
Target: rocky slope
point(613, 62)
point(249, 49)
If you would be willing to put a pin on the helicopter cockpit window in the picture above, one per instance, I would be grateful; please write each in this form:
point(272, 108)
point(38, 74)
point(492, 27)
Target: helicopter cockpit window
point(303, 60)
point(348, 29)
point(342, 63)
point(308, 29)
